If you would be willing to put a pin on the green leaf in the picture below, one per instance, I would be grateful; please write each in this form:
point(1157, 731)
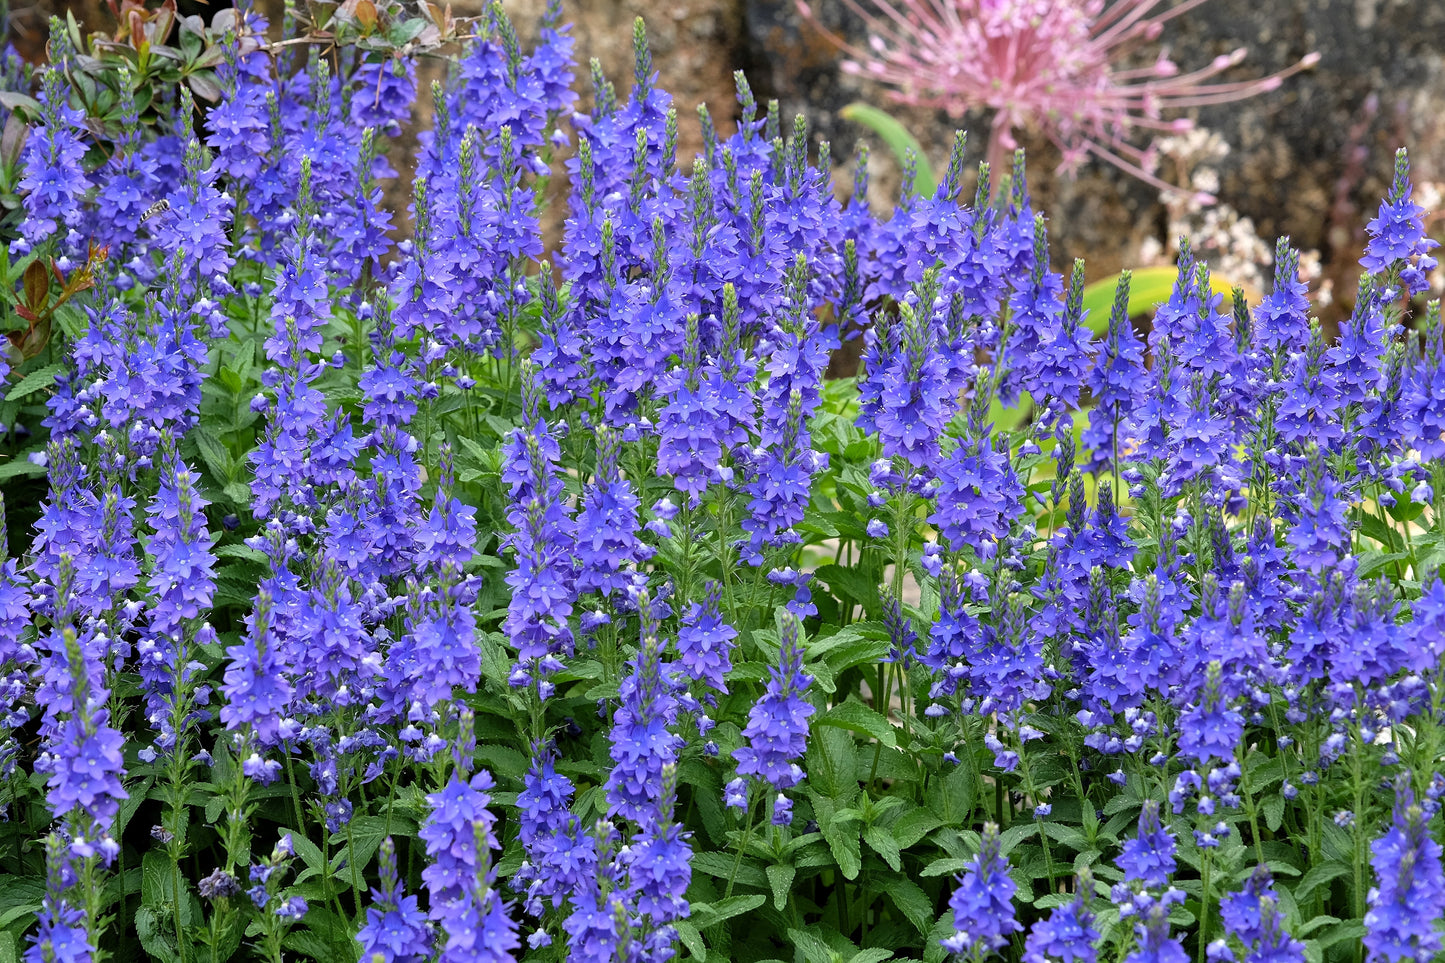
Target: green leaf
point(875, 954)
point(20, 467)
point(913, 825)
point(310, 854)
point(154, 938)
point(1346, 930)
point(704, 915)
point(781, 878)
point(216, 455)
point(842, 839)
point(813, 948)
point(856, 717)
point(883, 843)
point(951, 795)
point(43, 377)
point(721, 865)
point(1273, 809)
point(898, 139)
point(1372, 562)
point(1320, 875)
point(691, 939)
point(72, 321)
point(911, 901)
point(944, 866)
point(849, 585)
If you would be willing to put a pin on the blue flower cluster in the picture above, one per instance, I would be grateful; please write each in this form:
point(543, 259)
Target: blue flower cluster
point(568, 609)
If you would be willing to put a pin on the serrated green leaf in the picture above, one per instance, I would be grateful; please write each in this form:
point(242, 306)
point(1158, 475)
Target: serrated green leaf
point(913, 825)
point(1320, 875)
point(911, 901)
point(691, 939)
point(1273, 809)
point(780, 877)
point(812, 946)
point(951, 795)
point(875, 954)
point(944, 866)
point(882, 842)
point(849, 585)
point(856, 717)
point(722, 865)
point(844, 844)
point(20, 467)
point(216, 455)
point(43, 377)
point(704, 915)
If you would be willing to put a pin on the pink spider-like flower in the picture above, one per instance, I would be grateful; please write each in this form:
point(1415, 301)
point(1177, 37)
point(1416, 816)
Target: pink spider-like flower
point(1055, 66)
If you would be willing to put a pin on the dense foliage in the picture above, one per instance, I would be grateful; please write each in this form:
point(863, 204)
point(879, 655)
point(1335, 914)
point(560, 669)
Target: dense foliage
point(425, 601)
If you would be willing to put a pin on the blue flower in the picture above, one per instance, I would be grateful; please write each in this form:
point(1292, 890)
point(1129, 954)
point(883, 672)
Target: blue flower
point(1397, 234)
point(54, 182)
point(642, 744)
point(982, 904)
point(777, 729)
point(1148, 858)
point(705, 641)
point(1067, 935)
point(1408, 899)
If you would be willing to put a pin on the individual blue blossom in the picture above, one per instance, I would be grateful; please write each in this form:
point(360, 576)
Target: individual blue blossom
point(982, 903)
point(1397, 234)
point(61, 936)
point(608, 547)
point(256, 687)
point(1318, 515)
point(1253, 917)
point(705, 641)
point(977, 495)
point(1066, 935)
point(1058, 365)
point(642, 742)
point(1407, 901)
point(1116, 385)
point(1281, 319)
point(1154, 942)
point(777, 731)
point(54, 183)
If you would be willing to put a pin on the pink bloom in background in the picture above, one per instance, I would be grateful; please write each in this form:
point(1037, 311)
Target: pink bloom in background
point(1053, 66)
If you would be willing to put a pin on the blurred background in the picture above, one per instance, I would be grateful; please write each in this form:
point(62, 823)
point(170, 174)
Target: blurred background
point(1311, 159)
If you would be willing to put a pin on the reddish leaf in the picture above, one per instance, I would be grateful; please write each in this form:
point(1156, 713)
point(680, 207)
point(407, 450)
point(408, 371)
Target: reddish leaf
point(37, 286)
point(35, 340)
